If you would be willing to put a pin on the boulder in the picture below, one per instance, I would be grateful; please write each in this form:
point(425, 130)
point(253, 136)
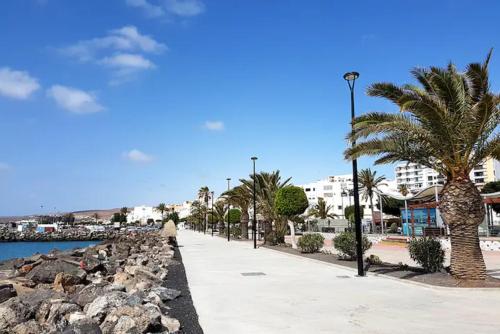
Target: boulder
point(89, 293)
point(173, 325)
point(46, 271)
point(102, 305)
point(169, 229)
point(65, 282)
point(132, 319)
point(28, 327)
point(14, 312)
point(7, 291)
point(165, 294)
point(83, 326)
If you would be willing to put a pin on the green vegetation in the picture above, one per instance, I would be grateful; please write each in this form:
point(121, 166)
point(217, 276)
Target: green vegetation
point(349, 213)
point(234, 216)
point(321, 210)
point(290, 202)
point(311, 242)
point(369, 182)
point(345, 243)
point(428, 253)
point(447, 123)
point(241, 197)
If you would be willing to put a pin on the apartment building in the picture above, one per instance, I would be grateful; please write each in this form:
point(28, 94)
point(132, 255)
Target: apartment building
point(416, 176)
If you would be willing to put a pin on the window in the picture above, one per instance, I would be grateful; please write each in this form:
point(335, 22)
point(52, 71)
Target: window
point(339, 207)
point(363, 206)
point(308, 189)
point(479, 181)
point(328, 194)
point(327, 187)
point(478, 173)
point(429, 178)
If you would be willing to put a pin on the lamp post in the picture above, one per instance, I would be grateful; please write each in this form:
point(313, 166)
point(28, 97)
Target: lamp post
point(228, 211)
point(212, 214)
point(351, 77)
point(254, 222)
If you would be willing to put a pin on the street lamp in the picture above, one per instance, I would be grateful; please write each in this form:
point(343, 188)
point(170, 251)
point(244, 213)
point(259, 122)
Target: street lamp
point(228, 211)
point(254, 222)
point(351, 77)
point(212, 214)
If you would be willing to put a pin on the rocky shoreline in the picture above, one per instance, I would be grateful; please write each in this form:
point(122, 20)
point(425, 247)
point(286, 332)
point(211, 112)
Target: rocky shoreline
point(118, 286)
point(65, 235)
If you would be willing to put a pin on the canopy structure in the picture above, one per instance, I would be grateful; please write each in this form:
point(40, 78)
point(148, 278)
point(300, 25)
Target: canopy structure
point(423, 195)
point(493, 198)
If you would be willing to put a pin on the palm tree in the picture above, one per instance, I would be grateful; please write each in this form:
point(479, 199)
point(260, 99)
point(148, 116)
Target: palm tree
point(448, 123)
point(198, 213)
point(403, 189)
point(162, 207)
point(219, 213)
point(266, 185)
point(321, 210)
point(204, 195)
point(369, 184)
point(241, 196)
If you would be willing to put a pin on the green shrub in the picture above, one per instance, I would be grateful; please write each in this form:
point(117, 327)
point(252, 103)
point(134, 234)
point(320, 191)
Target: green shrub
point(236, 231)
point(234, 216)
point(311, 243)
point(345, 243)
point(393, 228)
point(374, 260)
point(428, 253)
point(271, 238)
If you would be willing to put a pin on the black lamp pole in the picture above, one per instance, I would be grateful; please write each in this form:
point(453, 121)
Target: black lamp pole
point(351, 77)
point(228, 211)
point(254, 222)
point(212, 214)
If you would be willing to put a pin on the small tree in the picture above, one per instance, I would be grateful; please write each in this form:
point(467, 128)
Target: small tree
point(234, 216)
point(349, 213)
point(290, 201)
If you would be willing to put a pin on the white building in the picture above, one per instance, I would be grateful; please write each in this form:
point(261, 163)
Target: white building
point(337, 191)
point(416, 176)
point(142, 214)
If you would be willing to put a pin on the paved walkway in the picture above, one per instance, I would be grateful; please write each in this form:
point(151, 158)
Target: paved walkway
point(298, 295)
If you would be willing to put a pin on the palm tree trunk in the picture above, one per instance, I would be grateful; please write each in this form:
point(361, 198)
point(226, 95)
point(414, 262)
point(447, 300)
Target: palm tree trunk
point(373, 214)
point(244, 224)
point(463, 211)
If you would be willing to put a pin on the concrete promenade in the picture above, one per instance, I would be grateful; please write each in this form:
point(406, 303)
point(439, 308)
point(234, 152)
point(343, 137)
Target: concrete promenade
point(298, 295)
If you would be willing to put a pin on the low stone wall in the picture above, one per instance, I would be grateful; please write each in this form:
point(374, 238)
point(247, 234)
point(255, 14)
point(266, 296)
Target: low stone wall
point(486, 245)
point(114, 287)
point(64, 235)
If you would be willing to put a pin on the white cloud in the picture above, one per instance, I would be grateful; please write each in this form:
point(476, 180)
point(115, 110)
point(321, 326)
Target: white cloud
point(137, 156)
point(214, 125)
point(17, 84)
point(185, 7)
point(121, 50)
point(148, 8)
point(128, 60)
point(74, 100)
point(127, 38)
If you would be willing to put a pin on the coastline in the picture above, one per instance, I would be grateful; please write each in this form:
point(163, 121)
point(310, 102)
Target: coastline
point(127, 283)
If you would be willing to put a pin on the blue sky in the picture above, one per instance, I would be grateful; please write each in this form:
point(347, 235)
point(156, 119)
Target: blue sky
point(112, 103)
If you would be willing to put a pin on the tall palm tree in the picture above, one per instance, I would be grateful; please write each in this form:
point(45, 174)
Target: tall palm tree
point(321, 210)
point(370, 182)
point(219, 213)
point(204, 195)
point(241, 196)
point(162, 207)
point(198, 213)
point(448, 123)
point(266, 185)
point(403, 189)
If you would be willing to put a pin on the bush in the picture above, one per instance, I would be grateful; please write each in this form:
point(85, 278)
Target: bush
point(374, 260)
point(393, 228)
point(311, 243)
point(428, 253)
point(234, 216)
point(290, 201)
point(345, 243)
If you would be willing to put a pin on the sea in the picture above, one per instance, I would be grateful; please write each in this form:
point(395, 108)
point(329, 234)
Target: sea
point(10, 250)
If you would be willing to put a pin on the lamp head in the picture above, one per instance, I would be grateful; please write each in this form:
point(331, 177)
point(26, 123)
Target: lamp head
point(253, 158)
point(351, 76)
